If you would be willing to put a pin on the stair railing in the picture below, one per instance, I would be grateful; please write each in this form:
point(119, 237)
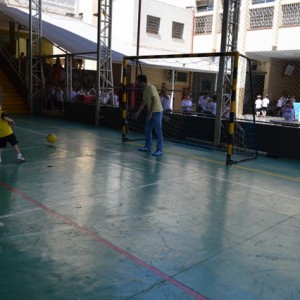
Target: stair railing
point(12, 63)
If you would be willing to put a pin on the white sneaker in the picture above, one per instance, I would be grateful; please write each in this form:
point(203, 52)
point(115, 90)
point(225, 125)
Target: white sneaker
point(20, 157)
point(0, 160)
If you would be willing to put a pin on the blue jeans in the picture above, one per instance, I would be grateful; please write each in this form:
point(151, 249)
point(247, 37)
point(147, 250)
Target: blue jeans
point(156, 123)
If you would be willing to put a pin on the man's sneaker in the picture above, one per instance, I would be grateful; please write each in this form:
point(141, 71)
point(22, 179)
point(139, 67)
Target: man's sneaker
point(157, 153)
point(0, 160)
point(20, 157)
point(144, 149)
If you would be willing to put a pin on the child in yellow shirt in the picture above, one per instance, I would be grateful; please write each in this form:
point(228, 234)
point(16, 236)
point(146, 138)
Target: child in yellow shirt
point(7, 135)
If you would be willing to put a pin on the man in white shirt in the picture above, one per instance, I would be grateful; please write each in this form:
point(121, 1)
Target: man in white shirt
point(258, 105)
point(265, 104)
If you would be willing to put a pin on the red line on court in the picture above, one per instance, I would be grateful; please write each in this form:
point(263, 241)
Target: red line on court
point(108, 244)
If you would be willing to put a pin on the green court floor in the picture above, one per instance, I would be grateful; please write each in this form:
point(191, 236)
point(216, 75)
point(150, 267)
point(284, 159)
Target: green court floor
point(90, 217)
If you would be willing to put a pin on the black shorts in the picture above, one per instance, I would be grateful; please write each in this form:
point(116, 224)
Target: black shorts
point(12, 139)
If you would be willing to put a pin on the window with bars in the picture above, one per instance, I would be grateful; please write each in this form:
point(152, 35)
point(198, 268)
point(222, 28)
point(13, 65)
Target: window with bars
point(291, 14)
point(177, 30)
point(204, 5)
point(261, 18)
point(153, 24)
point(203, 24)
point(261, 1)
point(181, 76)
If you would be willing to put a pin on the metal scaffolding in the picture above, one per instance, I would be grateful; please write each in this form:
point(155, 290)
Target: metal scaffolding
point(232, 29)
point(36, 76)
point(230, 22)
point(105, 88)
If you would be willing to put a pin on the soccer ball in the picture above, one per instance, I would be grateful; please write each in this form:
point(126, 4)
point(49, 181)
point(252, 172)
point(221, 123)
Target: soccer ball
point(51, 138)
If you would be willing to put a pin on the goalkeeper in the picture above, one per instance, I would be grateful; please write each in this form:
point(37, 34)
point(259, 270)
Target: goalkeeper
point(154, 116)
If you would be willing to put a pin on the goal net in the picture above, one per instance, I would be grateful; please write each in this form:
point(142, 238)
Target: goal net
point(207, 101)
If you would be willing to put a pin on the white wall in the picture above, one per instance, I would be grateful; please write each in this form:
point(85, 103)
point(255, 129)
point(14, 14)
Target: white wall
point(123, 19)
point(167, 14)
point(86, 7)
point(125, 24)
point(180, 3)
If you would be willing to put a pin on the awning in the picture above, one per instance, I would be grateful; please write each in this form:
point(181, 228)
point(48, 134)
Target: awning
point(70, 34)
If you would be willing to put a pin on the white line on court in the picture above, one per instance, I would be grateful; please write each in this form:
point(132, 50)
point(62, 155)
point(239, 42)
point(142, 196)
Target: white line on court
point(26, 211)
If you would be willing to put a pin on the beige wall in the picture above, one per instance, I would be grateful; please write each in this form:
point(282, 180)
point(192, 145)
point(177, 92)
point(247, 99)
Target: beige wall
point(157, 76)
point(280, 83)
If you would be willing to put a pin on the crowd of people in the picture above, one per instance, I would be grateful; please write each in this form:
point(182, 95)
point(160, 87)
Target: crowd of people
point(206, 104)
point(83, 87)
point(283, 107)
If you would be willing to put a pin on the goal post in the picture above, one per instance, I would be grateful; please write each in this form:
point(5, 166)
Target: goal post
point(194, 78)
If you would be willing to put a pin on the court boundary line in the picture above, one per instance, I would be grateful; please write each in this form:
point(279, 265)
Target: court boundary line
point(107, 243)
point(183, 155)
point(232, 166)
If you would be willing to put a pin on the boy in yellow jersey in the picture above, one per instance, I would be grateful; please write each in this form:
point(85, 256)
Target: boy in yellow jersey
point(7, 135)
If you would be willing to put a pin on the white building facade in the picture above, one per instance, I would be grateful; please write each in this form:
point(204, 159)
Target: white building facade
point(268, 32)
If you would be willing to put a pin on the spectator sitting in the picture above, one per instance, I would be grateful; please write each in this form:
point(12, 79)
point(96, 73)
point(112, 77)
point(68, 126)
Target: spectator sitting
point(81, 92)
point(288, 111)
point(293, 99)
point(186, 103)
point(73, 96)
point(106, 99)
point(202, 103)
point(116, 100)
point(211, 107)
point(59, 99)
point(163, 90)
point(166, 102)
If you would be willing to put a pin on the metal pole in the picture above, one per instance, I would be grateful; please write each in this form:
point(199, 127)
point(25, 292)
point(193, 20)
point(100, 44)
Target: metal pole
point(221, 74)
point(0, 97)
point(124, 101)
point(230, 137)
point(138, 36)
point(30, 90)
point(97, 105)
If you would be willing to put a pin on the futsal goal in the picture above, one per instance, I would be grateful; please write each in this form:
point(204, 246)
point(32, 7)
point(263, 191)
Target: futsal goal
point(218, 89)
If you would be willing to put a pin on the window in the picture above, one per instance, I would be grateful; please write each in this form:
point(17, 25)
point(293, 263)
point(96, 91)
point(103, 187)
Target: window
point(177, 30)
point(65, 7)
point(204, 5)
point(261, 17)
point(206, 85)
point(203, 24)
point(291, 14)
point(153, 24)
point(261, 1)
point(181, 76)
